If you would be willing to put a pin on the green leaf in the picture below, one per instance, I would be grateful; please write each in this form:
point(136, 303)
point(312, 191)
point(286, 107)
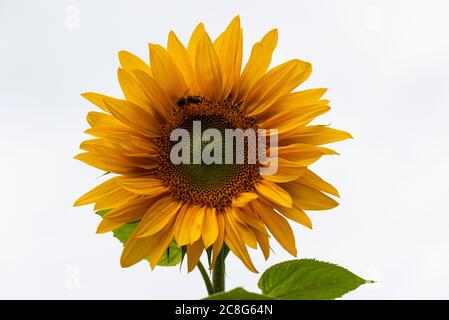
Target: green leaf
point(308, 279)
point(124, 231)
point(237, 294)
point(171, 258)
point(102, 212)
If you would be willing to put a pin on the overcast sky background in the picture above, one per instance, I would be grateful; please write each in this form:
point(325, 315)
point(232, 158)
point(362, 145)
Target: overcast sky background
point(386, 66)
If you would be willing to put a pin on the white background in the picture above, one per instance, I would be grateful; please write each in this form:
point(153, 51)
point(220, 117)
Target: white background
point(386, 66)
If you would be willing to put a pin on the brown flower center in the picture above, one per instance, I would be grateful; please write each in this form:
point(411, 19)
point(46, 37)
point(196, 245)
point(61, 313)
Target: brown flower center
point(212, 184)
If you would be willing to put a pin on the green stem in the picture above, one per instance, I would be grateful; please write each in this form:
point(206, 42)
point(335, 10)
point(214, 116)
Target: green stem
point(218, 273)
point(209, 287)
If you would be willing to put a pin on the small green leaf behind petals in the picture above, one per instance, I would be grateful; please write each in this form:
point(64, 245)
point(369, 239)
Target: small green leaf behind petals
point(102, 212)
point(308, 279)
point(238, 294)
point(124, 231)
point(171, 258)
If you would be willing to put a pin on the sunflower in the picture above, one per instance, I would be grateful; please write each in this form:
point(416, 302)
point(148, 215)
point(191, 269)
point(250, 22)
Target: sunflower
point(216, 206)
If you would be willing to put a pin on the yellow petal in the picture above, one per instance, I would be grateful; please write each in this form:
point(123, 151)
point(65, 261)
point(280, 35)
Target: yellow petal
point(160, 244)
point(103, 131)
point(218, 244)
point(133, 116)
point(131, 211)
point(133, 145)
point(102, 162)
point(274, 193)
point(160, 102)
point(258, 62)
point(107, 226)
point(97, 99)
point(194, 252)
point(295, 101)
point(208, 70)
point(132, 90)
point(318, 135)
point(196, 226)
point(241, 229)
point(299, 154)
point(160, 214)
point(100, 146)
point(235, 243)
point(286, 171)
point(247, 216)
point(166, 73)
point(131, 62)
point(277, 225)
point(210, 227)
point(181, 57)
point(328, 151)
point(278, 82)
point(292, 213)
point(182, 226)
point(97, 192)
point(312, 180)
point(308, 198)
point(295, 120)
point(104, 149)
point(113, 199)
point(135, 249)
point(229, 51)
point(264, 243)
point(96, 119)
point(243, 199)
point(303, 98)
point(145, 185)
point(239, 59)
point(296, 215)
point(90, 145)
point(193, 42)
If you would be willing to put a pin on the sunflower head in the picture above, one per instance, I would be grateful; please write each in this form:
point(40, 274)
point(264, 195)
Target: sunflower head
point(198, 204)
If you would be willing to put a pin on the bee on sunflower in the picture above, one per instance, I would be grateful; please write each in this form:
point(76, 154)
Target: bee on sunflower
point(207, 207)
